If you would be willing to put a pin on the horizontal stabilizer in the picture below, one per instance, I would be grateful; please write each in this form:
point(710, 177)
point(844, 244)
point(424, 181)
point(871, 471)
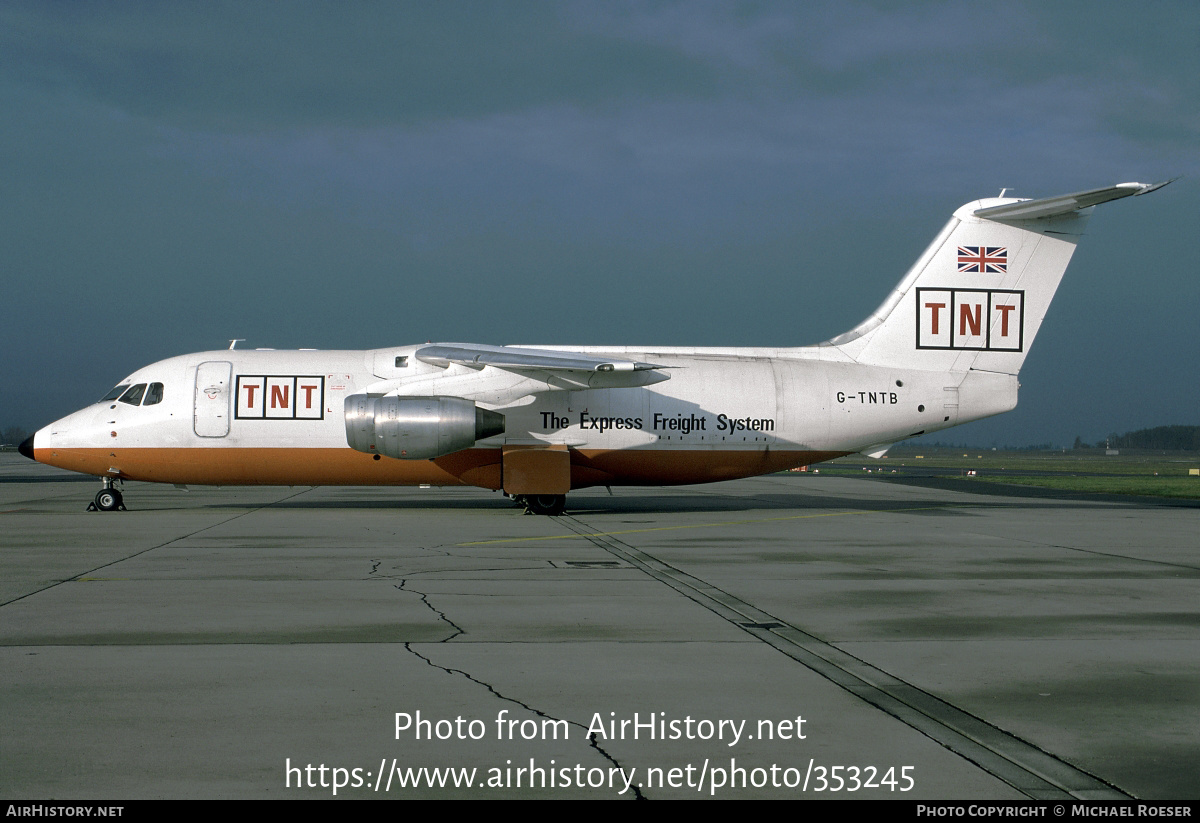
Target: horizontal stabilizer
point(1065, 203)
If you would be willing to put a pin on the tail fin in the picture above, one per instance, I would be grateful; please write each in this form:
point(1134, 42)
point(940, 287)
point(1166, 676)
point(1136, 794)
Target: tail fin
point(977, 296)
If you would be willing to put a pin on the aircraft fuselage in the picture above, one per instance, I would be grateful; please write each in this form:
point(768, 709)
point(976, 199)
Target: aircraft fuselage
point(279, 417)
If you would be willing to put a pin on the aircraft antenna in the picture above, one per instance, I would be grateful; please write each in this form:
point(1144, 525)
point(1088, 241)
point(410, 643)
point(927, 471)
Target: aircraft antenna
point(1002, 191)
point(233, 343)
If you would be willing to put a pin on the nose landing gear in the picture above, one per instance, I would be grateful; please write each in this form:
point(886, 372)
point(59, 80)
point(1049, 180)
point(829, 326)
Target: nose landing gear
point(108, 499)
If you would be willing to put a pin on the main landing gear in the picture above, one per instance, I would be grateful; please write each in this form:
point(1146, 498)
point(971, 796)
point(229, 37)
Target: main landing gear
point(550, 504)
point(108, 499)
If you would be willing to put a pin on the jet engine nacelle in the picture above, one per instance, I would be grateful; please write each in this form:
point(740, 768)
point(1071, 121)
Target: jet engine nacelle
point(417, 428)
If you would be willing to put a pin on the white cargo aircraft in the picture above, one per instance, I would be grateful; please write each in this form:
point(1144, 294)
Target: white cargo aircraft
point(944, 348)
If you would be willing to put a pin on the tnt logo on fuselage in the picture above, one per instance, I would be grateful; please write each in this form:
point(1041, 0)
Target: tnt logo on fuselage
point(280, 397)
point(972, 319)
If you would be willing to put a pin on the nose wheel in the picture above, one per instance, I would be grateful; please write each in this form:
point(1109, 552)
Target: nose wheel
point(108, 499)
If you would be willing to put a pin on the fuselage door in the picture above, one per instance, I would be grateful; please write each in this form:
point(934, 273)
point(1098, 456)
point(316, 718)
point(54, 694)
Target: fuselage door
point(213, 396)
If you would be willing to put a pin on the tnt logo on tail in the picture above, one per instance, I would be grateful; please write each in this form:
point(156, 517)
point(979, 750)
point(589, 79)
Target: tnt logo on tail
point(970, 319)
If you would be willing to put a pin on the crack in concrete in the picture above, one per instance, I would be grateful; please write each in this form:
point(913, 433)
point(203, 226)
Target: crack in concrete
point(591, 738)
point(440, 614)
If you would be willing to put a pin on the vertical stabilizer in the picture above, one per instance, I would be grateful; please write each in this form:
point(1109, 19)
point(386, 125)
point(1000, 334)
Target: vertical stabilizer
point(977, 296)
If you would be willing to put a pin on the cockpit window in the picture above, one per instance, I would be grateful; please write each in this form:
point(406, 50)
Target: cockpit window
point(134, 395)
point(153, 394)
point(115, 393)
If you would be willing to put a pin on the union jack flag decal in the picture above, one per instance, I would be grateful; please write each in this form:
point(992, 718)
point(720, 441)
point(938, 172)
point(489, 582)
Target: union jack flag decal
point(982, 259)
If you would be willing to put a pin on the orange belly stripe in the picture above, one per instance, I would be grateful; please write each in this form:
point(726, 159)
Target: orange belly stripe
point(229, 466)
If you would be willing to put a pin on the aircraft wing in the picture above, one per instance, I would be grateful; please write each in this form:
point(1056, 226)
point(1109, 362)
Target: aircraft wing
point(576, 367)
point(1065, 203)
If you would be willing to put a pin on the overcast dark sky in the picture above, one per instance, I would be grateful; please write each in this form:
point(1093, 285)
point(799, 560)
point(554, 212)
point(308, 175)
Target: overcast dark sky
point(362, 175)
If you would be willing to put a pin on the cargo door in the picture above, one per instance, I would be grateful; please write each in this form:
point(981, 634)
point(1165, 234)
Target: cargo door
point(213, 398)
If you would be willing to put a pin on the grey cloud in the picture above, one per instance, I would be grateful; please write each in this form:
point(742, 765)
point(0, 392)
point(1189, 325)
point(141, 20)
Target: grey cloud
point(250, 65)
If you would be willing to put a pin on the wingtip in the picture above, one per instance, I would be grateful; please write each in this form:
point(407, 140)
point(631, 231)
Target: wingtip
point(1146, 188)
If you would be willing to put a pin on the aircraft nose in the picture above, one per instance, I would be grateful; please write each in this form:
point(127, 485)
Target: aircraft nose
point(26, 447)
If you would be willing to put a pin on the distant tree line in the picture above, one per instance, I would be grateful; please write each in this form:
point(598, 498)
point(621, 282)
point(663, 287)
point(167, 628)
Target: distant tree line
point(938, 444)
point(1169, 438)
point(13, 435)
point(1161, 438)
